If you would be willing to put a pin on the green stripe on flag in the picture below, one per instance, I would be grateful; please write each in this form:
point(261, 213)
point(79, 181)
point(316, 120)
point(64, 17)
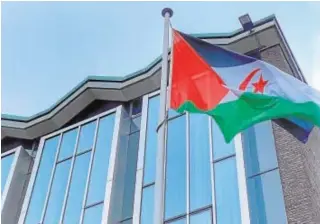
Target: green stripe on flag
point(249, 109)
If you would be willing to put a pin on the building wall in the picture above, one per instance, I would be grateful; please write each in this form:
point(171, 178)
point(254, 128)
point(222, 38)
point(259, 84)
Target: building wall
point(299, 163)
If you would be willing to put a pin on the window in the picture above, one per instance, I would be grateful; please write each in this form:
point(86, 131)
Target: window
point(264, 186)
point(202, 217)
point(76, 156)
point(175, 186)
point(122, 199)
point(196, 157)
point(225, 178)
point(147, 203)
point(200, 175)
point(42, 180)
point(151, 141)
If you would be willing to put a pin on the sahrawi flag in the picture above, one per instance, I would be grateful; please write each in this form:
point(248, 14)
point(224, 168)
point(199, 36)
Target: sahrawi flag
point(236, 90)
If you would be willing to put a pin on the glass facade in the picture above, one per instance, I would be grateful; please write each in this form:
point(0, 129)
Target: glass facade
point(126, 163)
point(68, 161)
point(201, 178)
point(202, 181)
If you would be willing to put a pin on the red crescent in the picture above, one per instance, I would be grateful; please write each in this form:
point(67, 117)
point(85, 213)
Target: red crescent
point(246, 81)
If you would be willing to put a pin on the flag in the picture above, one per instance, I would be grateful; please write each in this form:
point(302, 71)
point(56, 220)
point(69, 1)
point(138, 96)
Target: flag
point(237, 91)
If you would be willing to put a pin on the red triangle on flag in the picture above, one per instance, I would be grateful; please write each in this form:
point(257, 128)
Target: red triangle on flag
point(193, 79)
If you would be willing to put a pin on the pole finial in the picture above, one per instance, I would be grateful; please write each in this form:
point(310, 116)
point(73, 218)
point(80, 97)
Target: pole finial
point(167, 10)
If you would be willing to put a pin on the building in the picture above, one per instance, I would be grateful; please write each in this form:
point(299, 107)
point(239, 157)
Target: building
point(90, 158)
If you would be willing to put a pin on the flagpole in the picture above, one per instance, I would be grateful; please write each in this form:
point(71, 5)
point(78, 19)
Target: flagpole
point(159, 182)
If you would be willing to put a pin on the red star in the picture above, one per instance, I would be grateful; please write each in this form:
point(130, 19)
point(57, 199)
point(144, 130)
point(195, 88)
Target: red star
point(259, 86)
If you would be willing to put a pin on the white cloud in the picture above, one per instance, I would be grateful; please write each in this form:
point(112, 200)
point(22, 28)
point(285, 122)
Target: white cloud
point(316, 64)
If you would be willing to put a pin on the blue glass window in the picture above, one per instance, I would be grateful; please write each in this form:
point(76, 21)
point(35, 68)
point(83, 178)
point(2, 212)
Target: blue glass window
point(178, 221)
point(175, 195)
point(135, 124)
point(227, 192)
point(220, 148)
point(172, 113)
point(57, 193)
point(77, 188)
point(93, 214)
point(147, 205)
point(101, 160)
point(42, 181)
point(86, 136)
point(151, 141)
point(260, 153)
point(129, 221)
point(68, 144)
point(264, 186)
point(130, 176)
point(201, 218)
point(6, 163)
point(266, 199)
point(200, 178)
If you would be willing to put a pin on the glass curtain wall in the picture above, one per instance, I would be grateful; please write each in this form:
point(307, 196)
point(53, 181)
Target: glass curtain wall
point(126, 164)
point(201, 183)
point(71, 178)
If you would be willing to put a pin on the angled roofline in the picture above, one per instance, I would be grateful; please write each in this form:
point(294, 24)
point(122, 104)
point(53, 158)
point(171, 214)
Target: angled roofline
point(115, 79)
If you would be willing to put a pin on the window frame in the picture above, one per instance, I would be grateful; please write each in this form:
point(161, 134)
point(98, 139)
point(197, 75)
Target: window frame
point(26, 203)
point(15, 152)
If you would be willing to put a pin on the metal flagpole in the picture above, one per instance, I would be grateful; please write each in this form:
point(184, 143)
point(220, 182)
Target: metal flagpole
point(159, 183)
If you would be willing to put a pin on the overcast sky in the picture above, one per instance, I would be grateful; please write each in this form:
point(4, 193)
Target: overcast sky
point(47, 48)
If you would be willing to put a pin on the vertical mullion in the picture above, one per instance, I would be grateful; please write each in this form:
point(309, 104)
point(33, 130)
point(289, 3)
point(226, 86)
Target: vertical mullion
point(140, 163)
point(70, 176)
point(89, 171)
point(213, 193)
point(32, 180)
point(12, 168)
point(10, 174)
point(51, 180)
point(243, 193)
point(112, 161)
point(188, 166)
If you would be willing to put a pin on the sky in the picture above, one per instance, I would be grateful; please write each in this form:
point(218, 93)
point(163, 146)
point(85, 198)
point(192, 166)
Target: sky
point(47, 48)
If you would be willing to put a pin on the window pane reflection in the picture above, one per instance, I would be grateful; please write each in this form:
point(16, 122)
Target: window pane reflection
point(5, 169)
point(260, 153)
point(151, 141)
point(101, 160)
point(201, 218)
point(179, 221)
point(200, 179)
point(42, 181)
point(130, 175)
point(93, 214)
point(68, 144)
point(220, 147)
point(147, 205)
point(77, 187)
point(227, 192)
point(175, 195)
point(266, 199)
point(86, 136)
point(57, 192)
point(135, 124)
